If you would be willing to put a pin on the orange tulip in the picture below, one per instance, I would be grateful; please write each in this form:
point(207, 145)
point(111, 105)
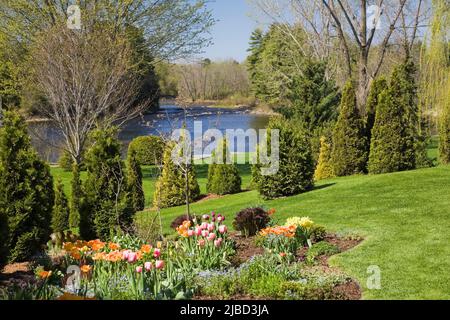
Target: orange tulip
point(86, 268)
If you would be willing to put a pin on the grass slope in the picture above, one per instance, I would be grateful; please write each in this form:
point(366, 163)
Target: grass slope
point(405, 218)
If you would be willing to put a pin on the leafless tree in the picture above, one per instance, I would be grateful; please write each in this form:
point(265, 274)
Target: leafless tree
point(363, 30)
point(88, 79)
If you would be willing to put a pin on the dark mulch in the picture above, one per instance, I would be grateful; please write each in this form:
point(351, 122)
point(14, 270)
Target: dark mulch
point(245, 249)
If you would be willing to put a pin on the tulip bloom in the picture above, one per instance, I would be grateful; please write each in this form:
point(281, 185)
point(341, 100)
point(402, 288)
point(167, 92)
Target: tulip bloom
point(198, 231)
point(223, 229)
point(205, 233)
point(204, 225)
point(148, 266)
point(211, 227)
point(211, 236)
point(205, 217)
point(139, 269)
point(159, 264)
point(157, 253)
point(201, 242)
point(219, 218)
point(190, 233)
point(132, 257)
point(218, 242)
point(125, 254)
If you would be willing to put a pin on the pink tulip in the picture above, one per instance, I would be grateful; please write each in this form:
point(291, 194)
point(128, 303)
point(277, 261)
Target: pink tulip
point(159, 264)
point(205, 217)
point(213, 214)
point(157, 253)
point(139, 269)
point(201, 242)
point(211, 227)
point(132, 257)
point(190, 233)
point(218, 242)
point(223, 229)
point(219, 218)
point(125, 254)
point(198, 231)
point(205, 233)
point(148, 266)
point(211, 236)
point(204, 225)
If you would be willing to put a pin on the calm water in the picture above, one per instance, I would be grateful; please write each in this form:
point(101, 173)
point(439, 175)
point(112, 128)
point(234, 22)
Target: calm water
point(47, 140)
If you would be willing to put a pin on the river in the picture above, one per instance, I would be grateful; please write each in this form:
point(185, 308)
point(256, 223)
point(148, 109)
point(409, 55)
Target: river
point(48, 141)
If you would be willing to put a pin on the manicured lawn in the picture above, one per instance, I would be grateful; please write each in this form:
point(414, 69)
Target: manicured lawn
point(404, 217)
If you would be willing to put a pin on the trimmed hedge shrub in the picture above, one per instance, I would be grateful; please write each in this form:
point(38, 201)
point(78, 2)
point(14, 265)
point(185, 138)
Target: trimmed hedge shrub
point(251, 220)
point(106, 207)
point(76, 198)
point(394, 135)
point(378, 85)
point(149, 149)
point(324, 169)
point(171, 185)
point(223, 178)
point(26, 190)
point(349, 155)
point(296, 164)
point(60, 219)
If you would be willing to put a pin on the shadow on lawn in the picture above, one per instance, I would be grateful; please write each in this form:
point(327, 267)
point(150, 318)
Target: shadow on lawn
point(323, 186)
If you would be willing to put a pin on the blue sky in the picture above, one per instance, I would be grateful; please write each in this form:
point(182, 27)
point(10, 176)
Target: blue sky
point(232, 31)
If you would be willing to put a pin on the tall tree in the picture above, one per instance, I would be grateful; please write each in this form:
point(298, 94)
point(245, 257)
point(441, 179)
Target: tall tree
point(314, 99)
point(378, 85)
point(349, 155)
point(395, 132)
point(26, 189)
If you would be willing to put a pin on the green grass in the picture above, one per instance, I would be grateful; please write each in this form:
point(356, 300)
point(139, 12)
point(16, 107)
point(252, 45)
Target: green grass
point(404, 217)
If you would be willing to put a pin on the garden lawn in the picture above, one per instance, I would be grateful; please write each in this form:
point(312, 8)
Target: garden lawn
point(404, 217)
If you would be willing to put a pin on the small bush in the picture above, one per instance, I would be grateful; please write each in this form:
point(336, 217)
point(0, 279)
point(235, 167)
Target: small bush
point(149, 149)
point(171, 185)
point(251, 220)
point(324, 169)
point(317, 233)
point(319, 249)
point(60, 218)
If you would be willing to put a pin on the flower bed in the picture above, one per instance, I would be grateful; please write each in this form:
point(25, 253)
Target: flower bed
point(284, 263)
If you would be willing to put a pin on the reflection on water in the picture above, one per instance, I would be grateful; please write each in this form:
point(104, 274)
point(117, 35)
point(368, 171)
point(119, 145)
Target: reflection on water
point(48, 140)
